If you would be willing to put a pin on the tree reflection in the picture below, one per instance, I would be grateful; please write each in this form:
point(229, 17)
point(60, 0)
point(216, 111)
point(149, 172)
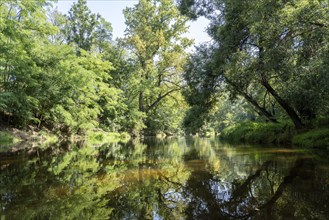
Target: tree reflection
point(152, 187)
point(163, 179)
point(229, 195)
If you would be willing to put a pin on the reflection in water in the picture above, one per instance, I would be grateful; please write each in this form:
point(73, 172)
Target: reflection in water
point(163, 179)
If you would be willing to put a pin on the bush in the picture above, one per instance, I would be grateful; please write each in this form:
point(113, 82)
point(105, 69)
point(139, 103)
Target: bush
point(318, 138)
point(255, 132)
point(322, 122)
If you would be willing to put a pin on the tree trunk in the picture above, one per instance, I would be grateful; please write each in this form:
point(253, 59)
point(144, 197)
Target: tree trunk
point(262, 110)
point(252, 101)
point(141, 101)
point(289, 110)
point(160, 97)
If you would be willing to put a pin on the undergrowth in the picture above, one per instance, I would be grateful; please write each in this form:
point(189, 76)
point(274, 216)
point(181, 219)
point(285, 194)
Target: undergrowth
point(256, 132)
point(317, 138)
point(278, 133)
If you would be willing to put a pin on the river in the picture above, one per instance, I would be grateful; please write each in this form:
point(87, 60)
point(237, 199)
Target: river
point(177, 178)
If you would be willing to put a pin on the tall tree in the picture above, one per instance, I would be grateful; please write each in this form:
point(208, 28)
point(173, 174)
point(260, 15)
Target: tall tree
point(43, 81)
point(154, 35)
point(86, 29)
point(22, 25)
point(266, 44)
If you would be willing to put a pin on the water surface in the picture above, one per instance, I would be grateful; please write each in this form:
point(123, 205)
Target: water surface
point(163, 179)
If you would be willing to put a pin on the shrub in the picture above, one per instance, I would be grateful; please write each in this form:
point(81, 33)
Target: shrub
point(255, 132)
point(322, 122)
point(315, 138)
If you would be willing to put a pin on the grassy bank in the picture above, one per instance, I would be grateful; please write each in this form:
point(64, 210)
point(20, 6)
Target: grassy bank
point(254, 132)
point(317, 138)
point(14, 139)
point(276, 133)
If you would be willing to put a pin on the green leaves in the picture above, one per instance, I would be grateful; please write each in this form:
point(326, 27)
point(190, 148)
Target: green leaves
point(86, 29)
point(266, 52)
point(154, 35)
point(43, 81)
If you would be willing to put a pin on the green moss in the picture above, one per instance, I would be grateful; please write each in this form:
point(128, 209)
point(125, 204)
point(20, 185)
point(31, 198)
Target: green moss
point(318, 138)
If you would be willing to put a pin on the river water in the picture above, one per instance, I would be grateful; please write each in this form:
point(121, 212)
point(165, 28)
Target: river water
point(174, 178)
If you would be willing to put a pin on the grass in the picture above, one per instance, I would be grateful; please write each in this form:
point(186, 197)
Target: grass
point(277, 133)
point(256, 132)
point(317, 138)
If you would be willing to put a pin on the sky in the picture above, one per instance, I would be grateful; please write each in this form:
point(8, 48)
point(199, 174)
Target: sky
point(111, 10)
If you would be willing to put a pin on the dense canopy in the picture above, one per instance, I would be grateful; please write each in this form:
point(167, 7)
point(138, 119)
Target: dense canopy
point(267, 62)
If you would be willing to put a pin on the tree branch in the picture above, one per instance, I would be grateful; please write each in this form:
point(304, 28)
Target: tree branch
point(156, 102)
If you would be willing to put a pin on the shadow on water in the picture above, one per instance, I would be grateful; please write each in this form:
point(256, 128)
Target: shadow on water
point(173, 178)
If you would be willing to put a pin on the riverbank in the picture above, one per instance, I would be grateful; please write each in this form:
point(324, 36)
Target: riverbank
point(277, 133)
point(12, 139)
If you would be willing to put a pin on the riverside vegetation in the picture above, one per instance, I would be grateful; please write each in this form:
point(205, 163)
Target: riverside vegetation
point(263, 78)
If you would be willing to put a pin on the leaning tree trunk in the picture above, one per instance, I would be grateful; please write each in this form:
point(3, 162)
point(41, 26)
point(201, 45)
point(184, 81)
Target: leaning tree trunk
point(262, 111)
point(285, 105)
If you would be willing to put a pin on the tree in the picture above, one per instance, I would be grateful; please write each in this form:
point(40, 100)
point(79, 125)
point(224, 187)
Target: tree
point(44, 82)
point(207, 84)
point(22, 25)
point(81, 24)
point(154, 35)
point(266, 45)
point(86, 29)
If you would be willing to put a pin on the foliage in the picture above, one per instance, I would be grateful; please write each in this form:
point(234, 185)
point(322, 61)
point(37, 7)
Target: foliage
point(168, 116)
point(154, 36)
point(267, 63)
point(44, 82)
point(85, 29)
point(322, 122)
point(255, 132)
point(271, 53)
point(317, 138)
point(284, 132)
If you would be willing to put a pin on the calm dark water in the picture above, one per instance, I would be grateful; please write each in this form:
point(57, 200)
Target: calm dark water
point(163, 179)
